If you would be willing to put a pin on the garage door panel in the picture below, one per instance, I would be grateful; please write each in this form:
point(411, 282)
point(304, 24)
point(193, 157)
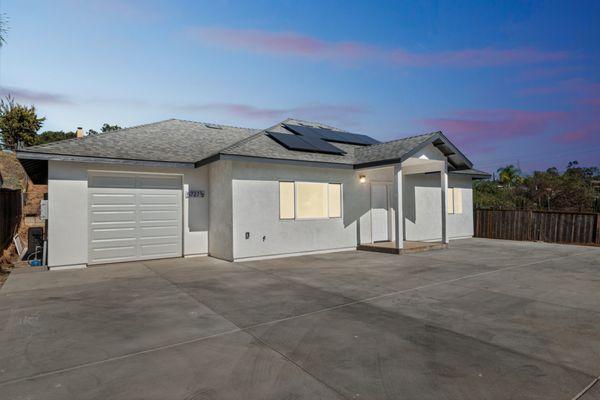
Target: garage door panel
point(114, 217)
point(160, 199)
point(138, 218)
point(172, 250)
point(113, 254)
point(159, 216)
point(101, 200)
point(159, 231)
point(100, 244)
point(113, 233)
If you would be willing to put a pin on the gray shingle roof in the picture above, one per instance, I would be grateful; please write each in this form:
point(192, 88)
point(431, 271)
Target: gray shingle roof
point(261, 145)
point(390, 150)
point(472, 172)
point(172, 140)
point(179, 141)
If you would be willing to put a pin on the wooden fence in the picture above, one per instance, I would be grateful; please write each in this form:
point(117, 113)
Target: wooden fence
point(10, 215)
point(546, 226)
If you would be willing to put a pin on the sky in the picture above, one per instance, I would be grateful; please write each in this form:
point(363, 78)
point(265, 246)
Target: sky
point(508, 82)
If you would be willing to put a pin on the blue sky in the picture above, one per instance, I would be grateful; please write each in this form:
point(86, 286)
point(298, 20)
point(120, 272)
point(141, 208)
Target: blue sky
point(509, 82)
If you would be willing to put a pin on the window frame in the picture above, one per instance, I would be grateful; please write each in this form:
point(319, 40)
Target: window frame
point(341, 200)
point(451, 194)
point(293, 198)
point(296, 218)
point(450, 200)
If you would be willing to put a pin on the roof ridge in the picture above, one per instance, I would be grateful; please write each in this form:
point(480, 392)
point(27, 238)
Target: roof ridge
point(211, 123)
point(44, 145)
point(316, 123)
point(249, 138)
point(399, 140)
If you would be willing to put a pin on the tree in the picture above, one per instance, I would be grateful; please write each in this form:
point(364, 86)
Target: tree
point(53, 136)
point(18, 123)
point(108, 128)
point(510, 175)
point(576, 189)
point(105, 128)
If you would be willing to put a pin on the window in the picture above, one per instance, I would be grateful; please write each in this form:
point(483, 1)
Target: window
point(335, 200)
point(454, 200)
point(310, 200)
point(286, 200)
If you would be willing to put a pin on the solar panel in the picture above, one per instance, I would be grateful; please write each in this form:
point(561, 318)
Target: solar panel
point(316, 139)
point(331, 135)
point(322, 145)
point(296, 142)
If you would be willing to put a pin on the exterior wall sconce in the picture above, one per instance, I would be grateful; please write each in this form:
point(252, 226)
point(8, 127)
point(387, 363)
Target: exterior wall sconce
point(362, 179)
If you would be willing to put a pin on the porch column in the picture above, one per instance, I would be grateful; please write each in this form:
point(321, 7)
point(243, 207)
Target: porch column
point(398, 215)
point(444, 187)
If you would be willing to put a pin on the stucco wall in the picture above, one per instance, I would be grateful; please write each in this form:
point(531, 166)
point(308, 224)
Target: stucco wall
point(422, 207)
point(220, 242)
point(461, 225)
point(256, 210)
point(67, 209)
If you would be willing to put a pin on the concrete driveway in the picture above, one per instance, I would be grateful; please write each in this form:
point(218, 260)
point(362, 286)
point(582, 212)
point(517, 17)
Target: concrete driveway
point(482, 320)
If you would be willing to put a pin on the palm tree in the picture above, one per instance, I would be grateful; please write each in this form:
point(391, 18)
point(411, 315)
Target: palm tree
point(510, 175)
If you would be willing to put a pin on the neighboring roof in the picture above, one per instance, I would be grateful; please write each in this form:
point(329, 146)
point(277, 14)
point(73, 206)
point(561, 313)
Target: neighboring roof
point(187, 143)
point(172, 140)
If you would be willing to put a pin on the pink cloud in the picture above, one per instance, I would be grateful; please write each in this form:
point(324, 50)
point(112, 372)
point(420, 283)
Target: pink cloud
point(285, 43)
point(331, 112)
point(587, 132)
point(571, 137)
point(576, 86)
point(483, 126)
point(35, 97)
point(592, 101)
point(482, 130)
point(303, 46)
point(548, 71)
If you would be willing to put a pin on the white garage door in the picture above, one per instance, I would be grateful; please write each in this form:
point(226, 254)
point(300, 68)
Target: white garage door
point(133, 217)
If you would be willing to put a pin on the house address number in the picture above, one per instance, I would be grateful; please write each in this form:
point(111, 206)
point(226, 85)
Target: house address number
point(194, 194)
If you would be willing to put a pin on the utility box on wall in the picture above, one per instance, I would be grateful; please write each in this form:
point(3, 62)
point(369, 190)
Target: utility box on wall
point(44, 209)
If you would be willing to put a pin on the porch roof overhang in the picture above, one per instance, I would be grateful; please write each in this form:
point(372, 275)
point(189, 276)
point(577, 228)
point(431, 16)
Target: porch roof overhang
point(473, 173)
point(456, 159)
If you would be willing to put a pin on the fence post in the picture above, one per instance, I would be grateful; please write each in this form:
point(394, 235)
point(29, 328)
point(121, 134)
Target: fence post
point(529, 220)
point(597, 230)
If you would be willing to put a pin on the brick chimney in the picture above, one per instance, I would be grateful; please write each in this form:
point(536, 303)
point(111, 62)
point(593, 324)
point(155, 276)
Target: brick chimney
point(79, 132)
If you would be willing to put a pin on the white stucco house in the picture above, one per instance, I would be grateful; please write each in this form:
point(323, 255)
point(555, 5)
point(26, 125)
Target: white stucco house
point(179, 188)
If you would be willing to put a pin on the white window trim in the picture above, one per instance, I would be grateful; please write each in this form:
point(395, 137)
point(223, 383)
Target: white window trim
point(279, 200)
point(341, 199)
point(296, 218)
point(450, 194)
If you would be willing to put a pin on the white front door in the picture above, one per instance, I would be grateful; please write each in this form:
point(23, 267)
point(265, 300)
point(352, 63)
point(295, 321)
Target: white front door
point(134, 217)
point(379, 212)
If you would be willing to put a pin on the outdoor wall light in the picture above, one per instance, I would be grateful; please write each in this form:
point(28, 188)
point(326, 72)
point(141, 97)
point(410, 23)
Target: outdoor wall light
point(362, 179)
